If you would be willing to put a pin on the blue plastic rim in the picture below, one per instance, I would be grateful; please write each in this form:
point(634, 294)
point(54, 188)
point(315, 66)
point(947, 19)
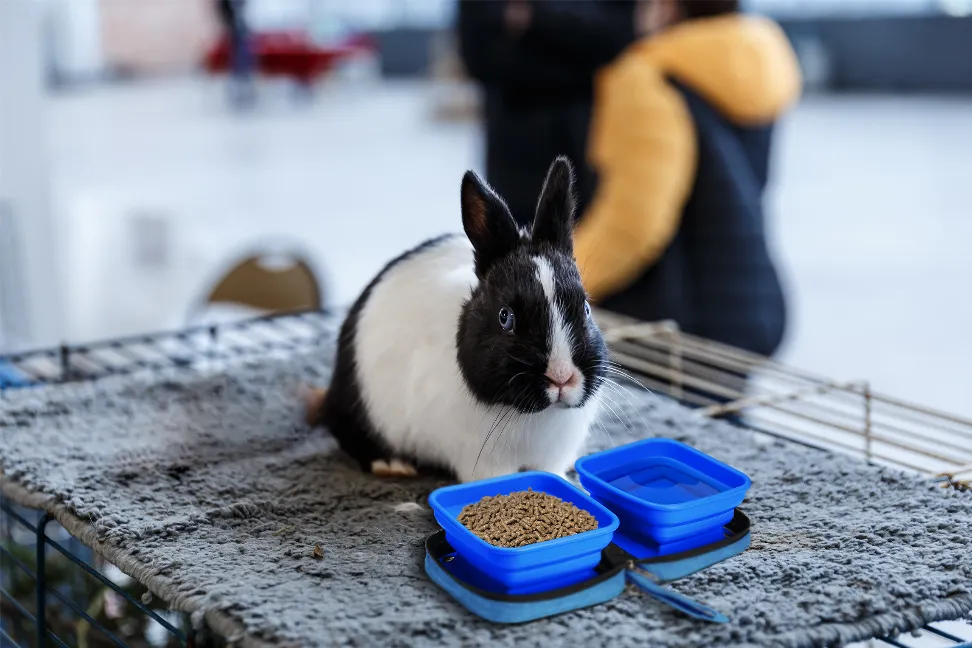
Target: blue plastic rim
point(643, 547)
point(632, 524)
point(522, 567)
point(662, 488)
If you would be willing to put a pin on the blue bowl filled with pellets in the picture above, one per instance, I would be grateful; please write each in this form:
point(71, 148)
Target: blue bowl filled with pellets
point(525, 532)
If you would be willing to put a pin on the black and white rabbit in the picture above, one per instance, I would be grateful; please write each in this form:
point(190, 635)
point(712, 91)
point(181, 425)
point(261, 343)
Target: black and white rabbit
point(475, 355)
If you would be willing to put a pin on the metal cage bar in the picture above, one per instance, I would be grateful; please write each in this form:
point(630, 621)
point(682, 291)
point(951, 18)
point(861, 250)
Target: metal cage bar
point(7, 639)
point(43, 634)
point(844, 416)
point(945, 635)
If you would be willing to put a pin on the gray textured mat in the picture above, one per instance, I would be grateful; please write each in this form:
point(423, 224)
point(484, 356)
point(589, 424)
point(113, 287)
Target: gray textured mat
point(186, 482)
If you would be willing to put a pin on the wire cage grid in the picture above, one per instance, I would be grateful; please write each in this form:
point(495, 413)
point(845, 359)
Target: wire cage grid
point(717, 380)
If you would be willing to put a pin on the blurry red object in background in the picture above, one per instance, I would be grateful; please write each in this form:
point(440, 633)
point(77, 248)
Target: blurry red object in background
point(288, 53)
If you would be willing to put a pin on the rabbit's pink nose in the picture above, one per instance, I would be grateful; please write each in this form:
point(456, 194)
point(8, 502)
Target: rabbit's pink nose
point(562, 379)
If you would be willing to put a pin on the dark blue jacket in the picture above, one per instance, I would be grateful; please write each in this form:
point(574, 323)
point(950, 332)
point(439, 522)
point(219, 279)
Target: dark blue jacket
point(716, 278)
point(677, 229)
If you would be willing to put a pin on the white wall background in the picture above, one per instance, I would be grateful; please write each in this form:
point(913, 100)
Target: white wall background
point(24, 187)
point(74, 30)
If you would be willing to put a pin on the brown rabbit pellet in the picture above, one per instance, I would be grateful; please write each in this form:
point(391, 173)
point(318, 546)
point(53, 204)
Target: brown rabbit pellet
point(523, 518)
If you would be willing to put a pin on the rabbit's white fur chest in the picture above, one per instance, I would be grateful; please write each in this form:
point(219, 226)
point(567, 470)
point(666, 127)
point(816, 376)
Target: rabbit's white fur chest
point(414, 391)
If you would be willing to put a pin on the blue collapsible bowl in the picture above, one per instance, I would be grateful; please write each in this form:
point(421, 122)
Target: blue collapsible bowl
point(663, 490)
point(542, 565)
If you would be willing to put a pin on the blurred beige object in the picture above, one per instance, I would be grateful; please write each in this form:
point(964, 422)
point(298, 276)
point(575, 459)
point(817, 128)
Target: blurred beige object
point(261, 284)
point(446, 64)
point(455, 98)
point(156, 36)
point(456, 102)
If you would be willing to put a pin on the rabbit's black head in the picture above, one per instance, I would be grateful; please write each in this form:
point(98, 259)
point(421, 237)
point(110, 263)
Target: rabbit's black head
point(526, 336)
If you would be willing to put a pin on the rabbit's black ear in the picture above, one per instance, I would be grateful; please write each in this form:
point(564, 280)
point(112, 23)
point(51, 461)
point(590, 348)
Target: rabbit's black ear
point(554, 221)
point(488, 223)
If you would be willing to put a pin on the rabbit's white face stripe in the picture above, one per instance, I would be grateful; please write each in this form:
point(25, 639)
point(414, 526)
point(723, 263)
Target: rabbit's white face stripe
point(560, 366)
point(560, 336)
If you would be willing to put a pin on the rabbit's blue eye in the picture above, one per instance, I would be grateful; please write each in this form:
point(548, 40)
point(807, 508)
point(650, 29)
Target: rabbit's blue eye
point(587, 309)
point(506, 318)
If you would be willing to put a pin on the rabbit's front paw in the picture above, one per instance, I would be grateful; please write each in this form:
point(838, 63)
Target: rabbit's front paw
point(393, 468)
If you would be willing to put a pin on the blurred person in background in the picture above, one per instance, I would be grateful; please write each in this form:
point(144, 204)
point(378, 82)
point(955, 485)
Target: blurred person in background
point(232, 15)
point(536, 62)
point(680, 139)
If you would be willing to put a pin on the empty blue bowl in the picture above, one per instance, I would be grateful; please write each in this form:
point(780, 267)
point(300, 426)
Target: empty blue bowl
point(521, 568)
point(662, 489)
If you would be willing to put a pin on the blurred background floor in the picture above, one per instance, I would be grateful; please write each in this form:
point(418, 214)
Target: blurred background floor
point(864, 184)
